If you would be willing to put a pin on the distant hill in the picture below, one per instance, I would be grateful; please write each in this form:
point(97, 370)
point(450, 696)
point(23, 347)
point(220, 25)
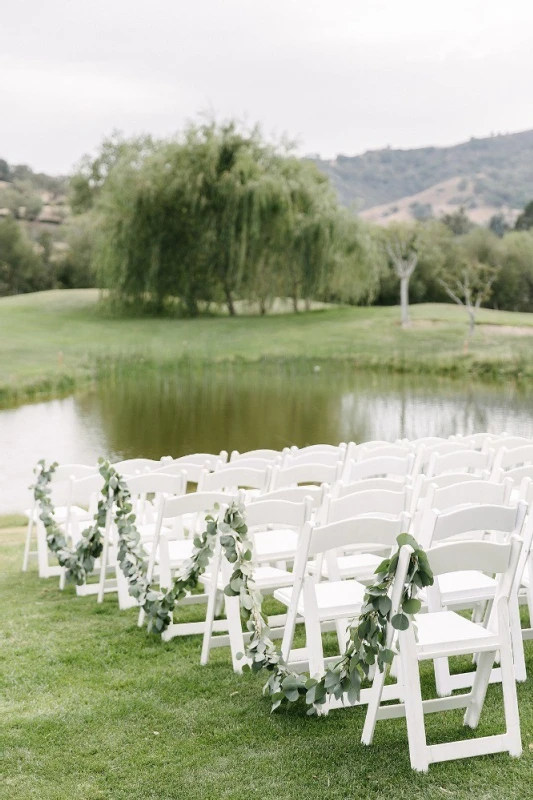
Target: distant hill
point(485, 175)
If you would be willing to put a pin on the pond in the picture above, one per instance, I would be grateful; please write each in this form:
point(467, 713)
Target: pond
point(155, 413)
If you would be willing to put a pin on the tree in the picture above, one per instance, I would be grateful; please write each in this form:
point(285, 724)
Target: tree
point(5, 172)
point(499, 225)
point(91, 173)
point(524, 221)
point(458, 222)
point(513, 287)
point(472, 266)
point(21, 269)
point(400, 245)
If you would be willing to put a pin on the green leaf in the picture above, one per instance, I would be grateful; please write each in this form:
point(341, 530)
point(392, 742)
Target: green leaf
point(400, 622)
point(411, 606)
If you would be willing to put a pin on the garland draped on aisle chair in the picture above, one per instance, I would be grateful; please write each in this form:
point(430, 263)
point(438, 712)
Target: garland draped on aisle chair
point(367, 645)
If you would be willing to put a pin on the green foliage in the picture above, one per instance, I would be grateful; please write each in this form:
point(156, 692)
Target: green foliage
point(524, 221)
point(219, 214)
point(457, 222)
point(380, 177)
point(21, 268)
point(74, 268)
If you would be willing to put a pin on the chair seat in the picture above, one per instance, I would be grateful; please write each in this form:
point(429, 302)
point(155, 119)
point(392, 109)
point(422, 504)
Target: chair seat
point(466, 587)
point(276, 545)
point(447, 632)
point(335, 599)
point(60, 513)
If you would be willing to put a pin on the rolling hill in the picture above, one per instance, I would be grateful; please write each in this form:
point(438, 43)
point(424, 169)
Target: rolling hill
point(487, 176)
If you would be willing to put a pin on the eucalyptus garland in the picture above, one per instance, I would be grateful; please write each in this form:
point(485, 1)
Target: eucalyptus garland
point(367, 635)
point(79, 560)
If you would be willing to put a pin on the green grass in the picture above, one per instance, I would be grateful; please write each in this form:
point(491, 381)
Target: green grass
point(51, 342)
point(93, 709)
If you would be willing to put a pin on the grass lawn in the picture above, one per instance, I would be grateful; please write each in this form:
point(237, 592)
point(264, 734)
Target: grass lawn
point(51, 341)
point(93, 708)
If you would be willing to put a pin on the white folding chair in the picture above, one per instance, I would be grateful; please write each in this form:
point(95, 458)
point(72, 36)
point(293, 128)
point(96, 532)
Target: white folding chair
point(307, 473)
point(60, 490)
point(442, 634)
point(141, 485)
point(466, 589)
point(397, 450)
point(425, 451)
point(264, 513)
point(132, 466)
point(334, 600)
point(84, 493)
point(170, 550)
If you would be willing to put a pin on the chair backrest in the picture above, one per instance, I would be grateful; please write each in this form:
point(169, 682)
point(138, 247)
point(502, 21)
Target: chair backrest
point(328, 457)
point(371, 502)
point(192, 471)
point(305, 473)
point(62, 477)
point(518, 456)
point(474, 461)
point(370, 484)
point(383, 467)
point(422, 484)
point(477, 441)
point(130, 466)
point(366, 530)
point(194, 503)
point(204, 460)
point(463, 493)
point(382, 451)
point(231, 476)
point(156, 483)
point(86, 491)
point(319, 448)
point(425, 451)
point(270, 455)
point(517, 474)
point(510, 442)
point(295, 494)
point(490, 557)
point(252, 463)
point(472, 519)
point(267, 511)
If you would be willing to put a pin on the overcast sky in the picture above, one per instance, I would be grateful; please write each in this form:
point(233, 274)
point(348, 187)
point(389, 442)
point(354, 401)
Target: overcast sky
point(341, 76)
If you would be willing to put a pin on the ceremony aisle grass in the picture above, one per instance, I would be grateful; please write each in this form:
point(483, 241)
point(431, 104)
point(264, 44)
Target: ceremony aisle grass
point(51, 342)
point(93, 708)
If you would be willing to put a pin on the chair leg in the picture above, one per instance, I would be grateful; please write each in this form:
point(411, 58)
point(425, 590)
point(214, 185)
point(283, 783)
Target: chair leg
point(27, 544)
point(211, 610)
point(517, 641)
point(442, 676)
point(313, 632)
point(414, 710)
point(42, 551)
point(373, 706)
point(510, 700)
point(103, 567)
point(236, 638)
point(479, 689)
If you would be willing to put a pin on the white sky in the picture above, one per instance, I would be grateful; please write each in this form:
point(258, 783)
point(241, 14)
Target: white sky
point(341, 76)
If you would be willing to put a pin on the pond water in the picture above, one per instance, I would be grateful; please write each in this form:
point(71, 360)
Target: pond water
point(243, 407)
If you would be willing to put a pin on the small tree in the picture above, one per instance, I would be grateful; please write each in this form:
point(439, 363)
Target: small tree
point(524, 221)
point(469, 284)
point(400, 246)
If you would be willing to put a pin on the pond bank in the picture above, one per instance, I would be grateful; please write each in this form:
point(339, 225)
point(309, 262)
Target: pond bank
point(52, 343)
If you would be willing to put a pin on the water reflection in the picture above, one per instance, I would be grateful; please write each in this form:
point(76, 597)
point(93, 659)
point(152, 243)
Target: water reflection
point(155, 413)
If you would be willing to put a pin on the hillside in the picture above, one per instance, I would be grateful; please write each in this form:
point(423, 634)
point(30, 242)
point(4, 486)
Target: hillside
point(498, 171)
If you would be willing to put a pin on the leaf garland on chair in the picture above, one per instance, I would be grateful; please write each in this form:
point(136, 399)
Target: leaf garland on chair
point(366, 646)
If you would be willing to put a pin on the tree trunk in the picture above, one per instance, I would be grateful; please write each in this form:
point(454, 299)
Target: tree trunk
point(404, 301)
point(262, 306)
point(229, 302)
point(295, 302)
point(472, 325)
point(308, 304)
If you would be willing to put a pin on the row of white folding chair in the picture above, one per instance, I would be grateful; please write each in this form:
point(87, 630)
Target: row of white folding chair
point(440, 634)
point(341, 600)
